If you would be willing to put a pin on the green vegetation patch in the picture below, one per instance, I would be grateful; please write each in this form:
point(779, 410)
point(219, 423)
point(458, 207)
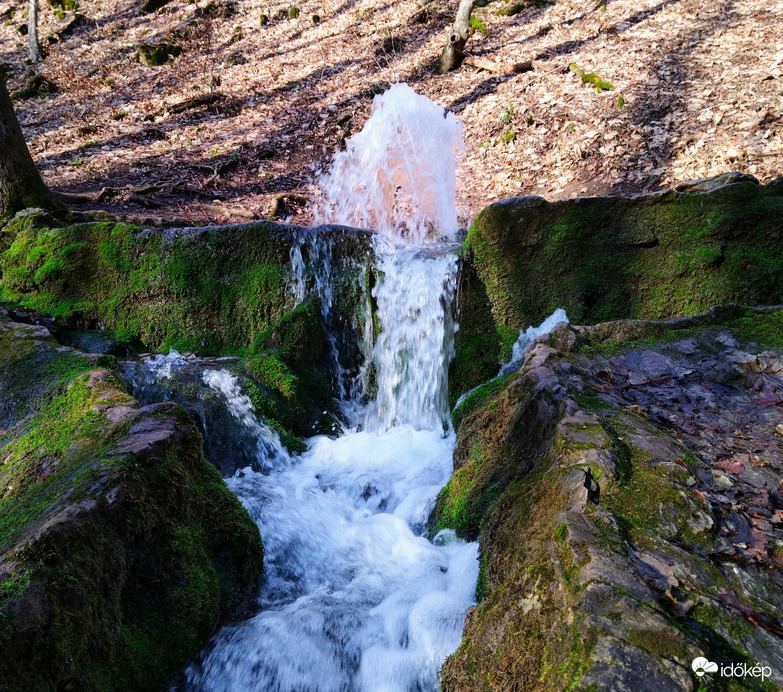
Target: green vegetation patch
point(478, 397)
point(590, 78)
point(208, 291)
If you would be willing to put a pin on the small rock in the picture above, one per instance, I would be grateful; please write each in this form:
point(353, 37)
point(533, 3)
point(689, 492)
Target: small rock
point(727, 339)
point(721, 480)
point(713, 183)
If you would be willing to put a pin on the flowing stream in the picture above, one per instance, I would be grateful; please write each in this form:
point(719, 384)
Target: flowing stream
point(355, 596)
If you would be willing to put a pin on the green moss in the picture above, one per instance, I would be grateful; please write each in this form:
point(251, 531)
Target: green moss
point(154, 55)
point(612, 258)
point(477, 398)
point(217, 291)
point(590, 78)
point(132, 587)
point(268, 369)
point(649, 499)
point(476, 24)
point(213, 293)
point(533, 647)
point(267, 410)
point(511, 10)
point(765, 329)
point(68, 5)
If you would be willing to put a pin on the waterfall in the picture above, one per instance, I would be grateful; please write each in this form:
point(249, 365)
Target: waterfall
point(270, 450)
point(526, 337)
point(355, 597)
point(416, 343)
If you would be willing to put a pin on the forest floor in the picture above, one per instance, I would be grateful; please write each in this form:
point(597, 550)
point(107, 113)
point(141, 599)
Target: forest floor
point(697, 90)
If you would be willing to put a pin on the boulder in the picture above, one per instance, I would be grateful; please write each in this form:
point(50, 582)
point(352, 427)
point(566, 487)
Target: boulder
point(121, 549)
point(627, 507)
point(710, 242)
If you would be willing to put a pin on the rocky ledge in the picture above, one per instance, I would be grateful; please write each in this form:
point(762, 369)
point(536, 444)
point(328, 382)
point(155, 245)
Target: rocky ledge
point(121, 549)
point(656, 256)
point(626, 488)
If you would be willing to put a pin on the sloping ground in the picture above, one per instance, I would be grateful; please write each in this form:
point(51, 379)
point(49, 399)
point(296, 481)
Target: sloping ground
point(121, 549)
point(652, 256)
point(701, 86)
point(626, 488)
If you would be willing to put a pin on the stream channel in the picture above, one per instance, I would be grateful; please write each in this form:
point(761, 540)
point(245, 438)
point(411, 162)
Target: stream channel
point(355, 596)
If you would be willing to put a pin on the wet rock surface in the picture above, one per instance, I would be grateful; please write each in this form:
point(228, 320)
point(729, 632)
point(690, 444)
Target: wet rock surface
point(635, 522)
point(120, 547)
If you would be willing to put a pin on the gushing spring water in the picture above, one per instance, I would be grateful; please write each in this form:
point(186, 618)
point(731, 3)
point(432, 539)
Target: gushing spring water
point(398, 175)
point(355, 597)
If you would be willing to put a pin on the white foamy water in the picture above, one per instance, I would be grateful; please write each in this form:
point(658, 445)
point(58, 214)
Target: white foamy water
point(416, 344)
point(526, 337)
point(398, 174)
point(271, 452)
point(355, 597)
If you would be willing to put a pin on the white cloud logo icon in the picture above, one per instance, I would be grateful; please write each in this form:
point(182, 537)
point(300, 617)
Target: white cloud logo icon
point(701, 666)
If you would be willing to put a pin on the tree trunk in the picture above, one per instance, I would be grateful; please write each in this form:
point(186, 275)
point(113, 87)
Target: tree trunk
point(452, 55)
point(21, 184)
point(32, 32)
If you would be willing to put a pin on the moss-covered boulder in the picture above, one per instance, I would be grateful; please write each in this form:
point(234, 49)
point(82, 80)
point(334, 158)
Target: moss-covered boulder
point(121, 549)
point(287, 382)
point(212, 290)
point(625, 487)
point(654, 256)
point(216, 290)
point(156, 54)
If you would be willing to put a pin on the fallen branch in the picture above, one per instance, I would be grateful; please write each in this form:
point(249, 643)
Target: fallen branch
point(188, 104)
point(85, 197)
point(220, 169)
point(141, 200)
point(92, 198)
point(200, 193)
point(501, 68)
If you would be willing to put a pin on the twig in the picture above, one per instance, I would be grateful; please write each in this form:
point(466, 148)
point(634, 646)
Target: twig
point(182, 106)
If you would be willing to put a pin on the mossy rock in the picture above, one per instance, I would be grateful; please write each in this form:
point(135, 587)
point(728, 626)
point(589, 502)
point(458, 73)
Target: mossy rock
point(121, 549)
point(653, 256)
point(67, 5)
point(586, 509)
point(217, 291)
point(212, 290)
point(291, 369)
point(510, 10)
point(156, 54)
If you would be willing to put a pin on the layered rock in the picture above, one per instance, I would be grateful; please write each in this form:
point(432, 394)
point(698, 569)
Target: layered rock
point(626, 488)
point(681, 252)
point(121, 549)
